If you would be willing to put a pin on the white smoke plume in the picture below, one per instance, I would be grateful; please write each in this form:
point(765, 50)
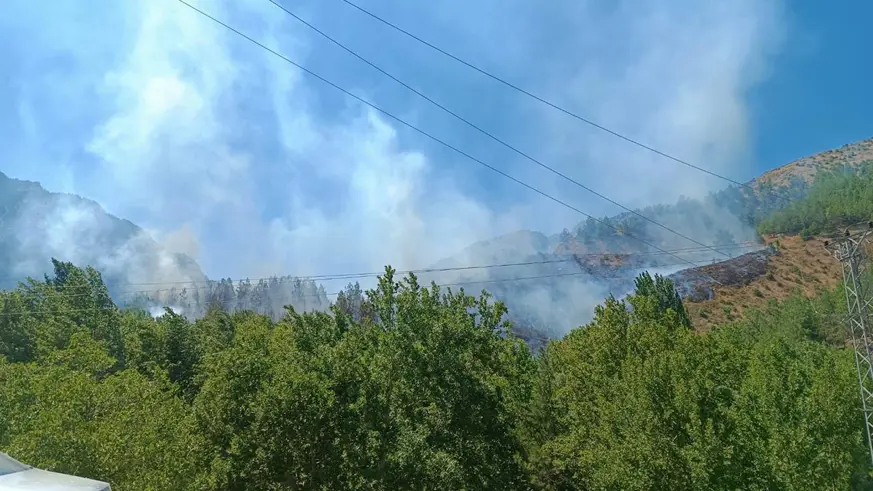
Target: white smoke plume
point(229, 155)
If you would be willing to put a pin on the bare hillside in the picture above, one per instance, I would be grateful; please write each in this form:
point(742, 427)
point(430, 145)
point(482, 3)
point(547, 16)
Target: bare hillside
point(751, 280)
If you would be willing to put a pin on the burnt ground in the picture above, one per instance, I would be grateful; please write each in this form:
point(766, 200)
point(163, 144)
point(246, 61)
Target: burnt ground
point(699, 284)
point(788, 266)
point(723, 292)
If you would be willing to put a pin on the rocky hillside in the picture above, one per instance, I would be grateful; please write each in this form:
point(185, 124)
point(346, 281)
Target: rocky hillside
point(552, 284)
point(806, 168)
point(602, 257)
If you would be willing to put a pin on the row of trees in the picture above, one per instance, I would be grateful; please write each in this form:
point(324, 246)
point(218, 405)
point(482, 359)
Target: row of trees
point(266, 296)
point(408, 387)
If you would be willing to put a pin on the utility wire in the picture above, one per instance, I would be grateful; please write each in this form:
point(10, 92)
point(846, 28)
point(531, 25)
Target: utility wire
point(188, 285)
point(422, 132)
point(307, 295)
point(502, 280)
point(341, 276)
point(556, 275)
point(572, 259)
point(487, 133)
point(58, 311)
point(212, 284)
point(545, 101)
point(198, 285)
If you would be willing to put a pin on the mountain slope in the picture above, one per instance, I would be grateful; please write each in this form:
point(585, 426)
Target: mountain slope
point(563, 276)
point(36, 225)
point(798, 267)
point(604, 256)
point(807, 168)
point(839, 197)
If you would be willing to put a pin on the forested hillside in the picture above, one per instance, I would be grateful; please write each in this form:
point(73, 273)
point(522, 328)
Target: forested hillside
point(724, 215)
point(36, 226)
point(728, 221)
point(793, 264)
point(565, 277)
point(266, 296)
point(838, 198)
point(418, 389)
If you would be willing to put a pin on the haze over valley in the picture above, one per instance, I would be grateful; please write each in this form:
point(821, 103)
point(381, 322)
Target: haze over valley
point(233, 164)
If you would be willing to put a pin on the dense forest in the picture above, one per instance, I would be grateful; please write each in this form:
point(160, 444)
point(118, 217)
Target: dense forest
point(412, 387)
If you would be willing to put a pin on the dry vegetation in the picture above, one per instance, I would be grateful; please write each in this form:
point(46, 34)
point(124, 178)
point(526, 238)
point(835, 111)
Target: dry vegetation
point(801, 266)
point(806, 168)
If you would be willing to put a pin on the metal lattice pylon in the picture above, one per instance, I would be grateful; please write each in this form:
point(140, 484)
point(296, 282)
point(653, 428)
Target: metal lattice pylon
point(850, 251)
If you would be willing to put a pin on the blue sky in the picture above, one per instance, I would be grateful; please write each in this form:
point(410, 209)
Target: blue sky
point(818, 96)
point(221, 151)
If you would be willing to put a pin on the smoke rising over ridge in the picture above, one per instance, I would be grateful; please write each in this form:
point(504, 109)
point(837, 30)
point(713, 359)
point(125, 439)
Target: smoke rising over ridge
point(224, 153)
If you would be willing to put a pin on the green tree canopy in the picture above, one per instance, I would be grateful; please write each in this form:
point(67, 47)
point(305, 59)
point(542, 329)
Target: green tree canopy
point(413, 387)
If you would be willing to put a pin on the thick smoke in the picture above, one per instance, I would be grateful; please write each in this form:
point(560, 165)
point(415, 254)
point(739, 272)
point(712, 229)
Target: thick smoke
point(69, 228)
point(221, 151)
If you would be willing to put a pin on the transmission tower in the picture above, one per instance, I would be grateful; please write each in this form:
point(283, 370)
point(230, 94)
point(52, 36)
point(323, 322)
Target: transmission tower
point(850, 251)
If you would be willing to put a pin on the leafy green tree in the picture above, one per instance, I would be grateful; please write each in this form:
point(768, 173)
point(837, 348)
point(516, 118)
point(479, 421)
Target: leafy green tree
point(71, 416)
point(18, 333)
point(422, 395)
point(662, 295)
point(181, 353)
point(636, 400)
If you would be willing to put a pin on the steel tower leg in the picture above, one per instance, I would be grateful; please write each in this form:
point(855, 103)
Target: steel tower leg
point(849, 250)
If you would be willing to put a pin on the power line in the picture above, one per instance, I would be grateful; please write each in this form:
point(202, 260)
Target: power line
point(212, 284)
point(443, 285)
point(59, 311)
point(556, 275)
point(543, 100)
point(344, 276)
point(373, 274)
point(420, 131)
point(501, 280)
point(487, 133)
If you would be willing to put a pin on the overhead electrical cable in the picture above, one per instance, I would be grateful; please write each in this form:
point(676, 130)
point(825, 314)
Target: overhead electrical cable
point(372, 274)
point(555, 275)
point(545, 101)
point(210, 284)
point(445, 285)
point(424, 133)
point(489, 134)
point(307, 295)
point(206, 284)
